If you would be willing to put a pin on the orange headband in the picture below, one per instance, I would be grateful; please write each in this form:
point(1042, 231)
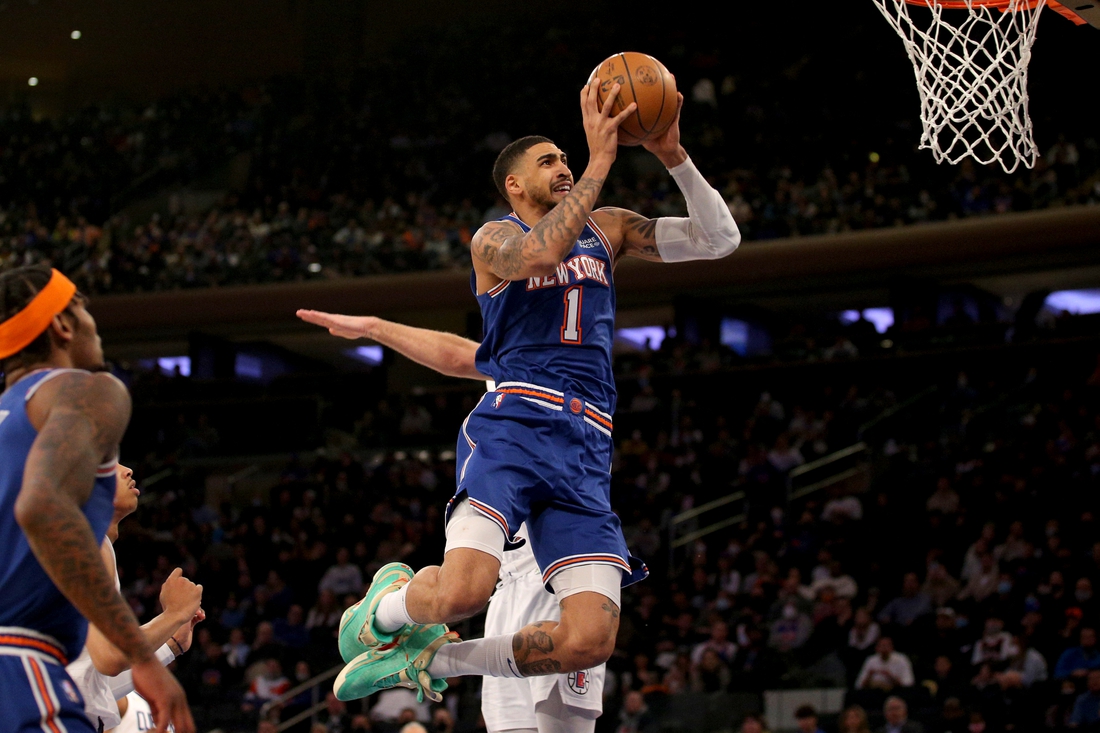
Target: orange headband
point(20, 330)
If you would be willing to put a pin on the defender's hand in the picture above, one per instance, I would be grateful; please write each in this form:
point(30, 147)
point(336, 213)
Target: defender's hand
point(179, 596)
point(164, 695)
point(349, 327)
point(185, 633)
point(667, 147)
point(600, 127)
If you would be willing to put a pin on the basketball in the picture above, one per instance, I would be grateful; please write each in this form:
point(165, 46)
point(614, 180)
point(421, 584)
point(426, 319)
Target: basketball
point(645, 80)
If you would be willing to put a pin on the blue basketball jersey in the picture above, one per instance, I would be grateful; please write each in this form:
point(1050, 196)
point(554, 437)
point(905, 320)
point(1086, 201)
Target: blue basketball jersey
point(28, 598)
point(555, 331)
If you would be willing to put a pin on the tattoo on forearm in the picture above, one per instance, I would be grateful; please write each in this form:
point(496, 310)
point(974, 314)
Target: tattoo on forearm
point(508, 253)
point(535, 641)
point(67, 449)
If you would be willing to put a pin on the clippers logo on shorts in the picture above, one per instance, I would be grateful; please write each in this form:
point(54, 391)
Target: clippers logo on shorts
point(578, 682)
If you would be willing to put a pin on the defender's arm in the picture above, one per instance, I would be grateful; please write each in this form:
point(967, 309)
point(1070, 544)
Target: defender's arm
point(444, 352)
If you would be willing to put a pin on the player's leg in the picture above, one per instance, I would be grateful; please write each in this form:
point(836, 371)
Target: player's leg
point(554, 716)
point(457, 589)
point(582, 639)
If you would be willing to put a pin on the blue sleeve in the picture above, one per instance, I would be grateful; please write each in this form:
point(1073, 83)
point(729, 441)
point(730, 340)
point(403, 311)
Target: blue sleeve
point(1065, 665)
point(1078, 716)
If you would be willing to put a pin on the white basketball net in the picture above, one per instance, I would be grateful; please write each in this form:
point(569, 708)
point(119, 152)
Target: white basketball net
point(971, 70)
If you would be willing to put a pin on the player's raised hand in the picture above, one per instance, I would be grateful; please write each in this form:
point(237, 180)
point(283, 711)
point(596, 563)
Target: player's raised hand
point(160, 689)
point(180, 596)
point(349, 327)
point(600, 126)
point(667, 147)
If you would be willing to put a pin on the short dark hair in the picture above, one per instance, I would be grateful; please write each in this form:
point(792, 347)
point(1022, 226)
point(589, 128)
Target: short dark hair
point(506, 161)
point(17, 289)
point(805, 711)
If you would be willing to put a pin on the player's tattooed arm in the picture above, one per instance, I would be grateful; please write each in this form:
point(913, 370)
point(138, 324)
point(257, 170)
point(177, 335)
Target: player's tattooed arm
point(533, 647)
point(83, 417)
point(512, 255)
point(632, 235)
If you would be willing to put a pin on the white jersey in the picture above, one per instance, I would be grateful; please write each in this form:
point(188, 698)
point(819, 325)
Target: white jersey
point(99, 703)
point(138, 717)
point(521, 599)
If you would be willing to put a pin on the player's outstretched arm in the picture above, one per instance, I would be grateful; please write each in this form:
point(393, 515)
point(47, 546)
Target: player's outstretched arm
point(81, 419)
point(708, 233)
point(507, 252)
point(446, 353)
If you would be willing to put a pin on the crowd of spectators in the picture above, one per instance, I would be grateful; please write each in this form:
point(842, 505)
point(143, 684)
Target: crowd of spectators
point(952, 589)
point(330, 179)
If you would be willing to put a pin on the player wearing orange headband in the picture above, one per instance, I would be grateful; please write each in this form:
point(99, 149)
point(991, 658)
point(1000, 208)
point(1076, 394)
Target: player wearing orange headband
point(61, 420)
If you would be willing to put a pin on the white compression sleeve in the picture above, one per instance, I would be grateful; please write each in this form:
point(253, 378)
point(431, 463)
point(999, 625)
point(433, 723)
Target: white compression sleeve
point(708, 233)
point(122, 684)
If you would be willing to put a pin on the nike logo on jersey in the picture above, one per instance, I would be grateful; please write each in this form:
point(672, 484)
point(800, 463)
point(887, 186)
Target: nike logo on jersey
point(573, 270)
point(4, 414)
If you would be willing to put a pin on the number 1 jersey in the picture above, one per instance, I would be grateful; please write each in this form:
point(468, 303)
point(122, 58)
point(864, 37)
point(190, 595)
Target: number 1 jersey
point(555, 331)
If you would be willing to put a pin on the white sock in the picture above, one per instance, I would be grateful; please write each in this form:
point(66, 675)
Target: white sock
point(489, 657)
point(391, 613)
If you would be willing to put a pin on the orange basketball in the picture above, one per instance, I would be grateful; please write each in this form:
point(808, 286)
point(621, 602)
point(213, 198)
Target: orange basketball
point(645, 80)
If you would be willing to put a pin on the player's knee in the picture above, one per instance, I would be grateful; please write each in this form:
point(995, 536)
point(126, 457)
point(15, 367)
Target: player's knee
point(589, 647)
point(460, 602)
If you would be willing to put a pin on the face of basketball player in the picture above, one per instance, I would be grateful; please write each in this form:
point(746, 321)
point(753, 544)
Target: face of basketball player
point(126, 492)
point(546, 176)
point(85, 347)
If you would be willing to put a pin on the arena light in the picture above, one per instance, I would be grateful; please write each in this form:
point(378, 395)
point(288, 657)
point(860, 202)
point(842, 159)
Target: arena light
point(170, 365)
point(1077, 302)
point(882, 318)
point(75, 35)
point(642, 337)
point(33, 81)
point(734, 334)
point(248, 366)
point(371, 355)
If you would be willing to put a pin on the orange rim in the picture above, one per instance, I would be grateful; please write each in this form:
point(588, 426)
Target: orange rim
point(1002, 5)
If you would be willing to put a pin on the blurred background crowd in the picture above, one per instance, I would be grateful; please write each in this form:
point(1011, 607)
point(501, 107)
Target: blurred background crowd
point(895, 504)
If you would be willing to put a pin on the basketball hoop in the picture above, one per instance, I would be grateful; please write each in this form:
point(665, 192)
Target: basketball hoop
point(970, 60)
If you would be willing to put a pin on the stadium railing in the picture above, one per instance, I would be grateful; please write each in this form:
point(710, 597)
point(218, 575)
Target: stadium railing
point(317, 699)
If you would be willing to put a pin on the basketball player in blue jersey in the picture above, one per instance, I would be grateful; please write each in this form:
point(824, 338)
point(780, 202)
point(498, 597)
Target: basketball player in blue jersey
point(61, 420)
point(538, 448)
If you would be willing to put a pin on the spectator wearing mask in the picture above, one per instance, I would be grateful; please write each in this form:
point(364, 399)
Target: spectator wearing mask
point(996, 645)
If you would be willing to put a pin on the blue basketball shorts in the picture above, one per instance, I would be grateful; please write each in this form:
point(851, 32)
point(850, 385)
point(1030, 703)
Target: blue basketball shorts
point(36, 693)
point(531, 454)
